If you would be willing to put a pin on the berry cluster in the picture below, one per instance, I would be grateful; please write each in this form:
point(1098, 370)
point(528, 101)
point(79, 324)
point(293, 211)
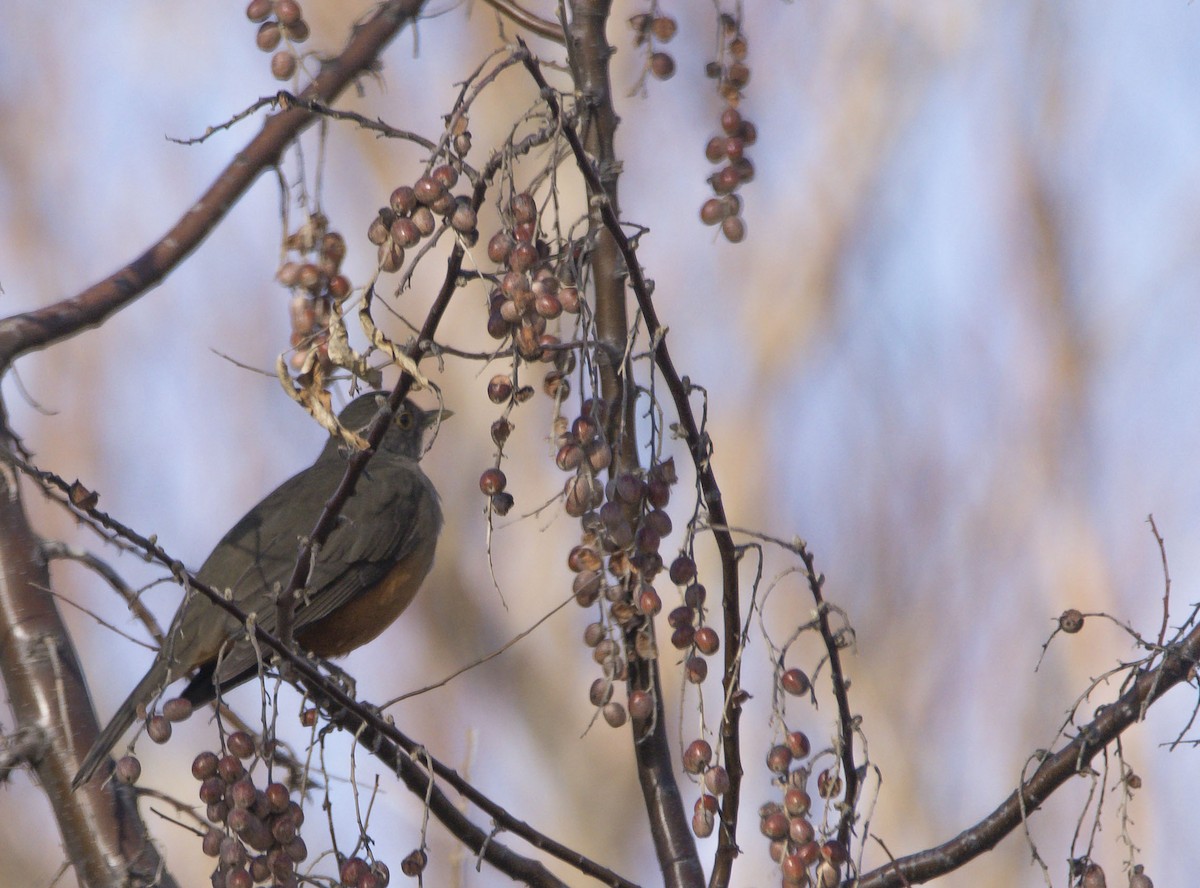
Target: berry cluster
point(158, 729)
point(529, 293)
point(317, 285)
point(279, 20)
point(355, 872)
point(261, 839)
point(697, 759)
point(802, 859)
point(624, 522)
point(649, 29)
point(410, 213)
point(737, 134)
point(699, 641)
point(1091, 875)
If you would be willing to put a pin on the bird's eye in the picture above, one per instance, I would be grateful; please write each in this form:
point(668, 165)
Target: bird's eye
point(405, 419)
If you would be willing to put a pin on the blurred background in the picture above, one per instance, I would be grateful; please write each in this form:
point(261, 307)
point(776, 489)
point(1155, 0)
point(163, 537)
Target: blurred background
point(952, 354)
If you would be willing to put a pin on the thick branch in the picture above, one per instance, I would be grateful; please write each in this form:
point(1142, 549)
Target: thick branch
point(49, 699)
point(698, 446)
point(589, 53)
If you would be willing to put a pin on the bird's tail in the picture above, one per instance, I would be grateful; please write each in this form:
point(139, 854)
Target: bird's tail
point(154, 681)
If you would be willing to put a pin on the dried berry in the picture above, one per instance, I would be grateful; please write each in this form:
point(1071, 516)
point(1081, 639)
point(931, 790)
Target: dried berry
point(283, 65)
point(240, 744)
point(158, 729)
point(794, 682)
point(779, 759)
point(707, 641)
point(268, 37)
point(177, 709)
point(1071, 621)
point(697, 756)
point(492, 481)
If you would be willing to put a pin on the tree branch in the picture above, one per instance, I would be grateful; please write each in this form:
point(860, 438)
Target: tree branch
point(1178, 665)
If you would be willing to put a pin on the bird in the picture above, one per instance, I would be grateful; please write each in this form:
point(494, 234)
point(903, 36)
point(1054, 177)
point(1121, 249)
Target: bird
point(366, 573)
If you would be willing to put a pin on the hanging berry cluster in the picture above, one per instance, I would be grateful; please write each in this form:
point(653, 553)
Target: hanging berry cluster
point(256, 830)
point(410, 216)
point(650, 30)
point(624, 522)
point(317, 286)
point(737, 134)
point(279, 21)
point(528, 294)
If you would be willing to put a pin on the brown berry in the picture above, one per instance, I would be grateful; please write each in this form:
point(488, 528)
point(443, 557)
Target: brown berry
point(583, 558)
point(682, 570)
point(390, 256)
point(697, 756)
point(522, 257)
point(779, 759)
point(707, 641)
point(204, 765)
point(793, 870)
point(641, 705)
point(829, 784)
point(414, 863)
point(683, 636)
point(158, 729)
point(586, 587)
point(734, 229)
point(695, 670)
point(797, 742)
point(128, 770)
point(446, 174)
point(499, 389)
point(662, 65)
point(288, 11)
point(377, 233)
point(664, 28)
point(177, 709)
point(403, 200)
point(569, 297)
point(774, 825)
point(353, 870)
point(648, 602)
point(283, 65)
point(794, 682)
point(212, 790)
point(715, 149)
point(731, 121)
point(428, 189)
point(712, 211)
point(258, 10)
point(240, 744)
point(1071, 621)
point(716, 779)
point(725, 180)
point(797, 803)
point(614, 714)
point(499, 247)
point(268, 37)
point(738, 75)
point(423, 218)
point(492, 481)
point(523, 208)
